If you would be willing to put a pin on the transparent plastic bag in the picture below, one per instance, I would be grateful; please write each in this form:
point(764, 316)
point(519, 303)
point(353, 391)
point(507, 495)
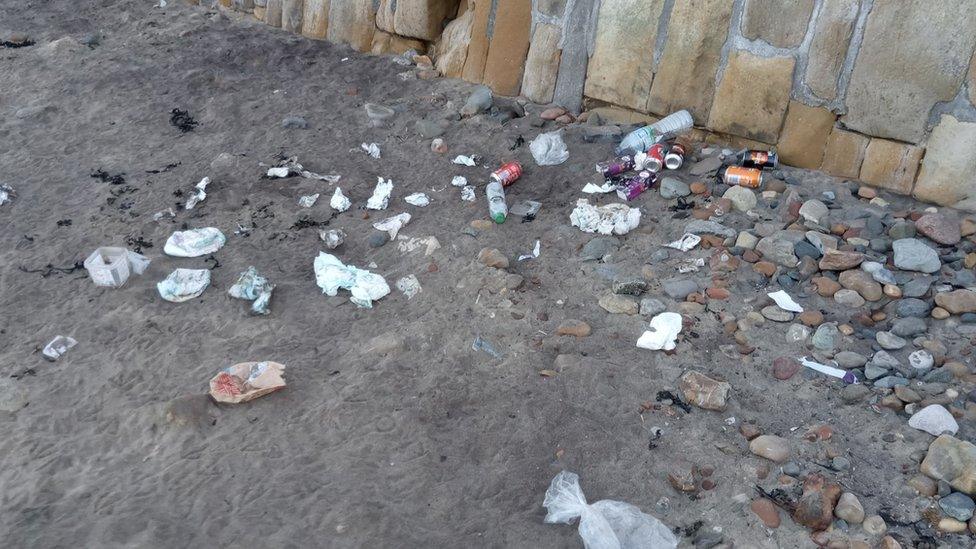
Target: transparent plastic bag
point(549, 149)
point(605, 524)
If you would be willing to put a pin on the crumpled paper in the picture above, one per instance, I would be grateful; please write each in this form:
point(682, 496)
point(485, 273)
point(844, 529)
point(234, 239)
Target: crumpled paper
point(290, 166)
point(459, 181)
point(663, 334)
point(253, 287)
point(686, 242)
point(417, 199)
point(593, 188)
point(6, 194)
point(198, 196)
point(392, 225)
point(467, 193)
point(610, 219)
point(466, 160)
point(247, 381)
point(785, 302)
point(411, 244)
point(372, 149)
point(183, 284)
point(339, 201)
point(381, 194)
point(309, 200)
point(194, 242)
point(331, 274)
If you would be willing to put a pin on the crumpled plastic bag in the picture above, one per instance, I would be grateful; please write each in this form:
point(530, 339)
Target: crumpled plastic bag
point(606, 524)
point(610, 219)
point(463, 160)
point(409, 285)
point(593, 188)
point(331, 274)
point(198, 196)
point(183, 284)
point(58, 346)
point(420, 200)
point(333, 238)
point(339, 201)
point(467, 193)
point(194, 242)
point(392, 225)
point(663, 334)
point(6, 193)
point(290, 166)
point(786, 302)
point(309, 200)
point(253, 287)
point(381, 194)
point(411, 244)
point(372, 149)
point(549, 149)
point(247, 381)
point(687, 242)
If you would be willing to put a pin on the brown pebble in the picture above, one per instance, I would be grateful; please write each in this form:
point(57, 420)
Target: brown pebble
point(838, 229)
point(845, 329)
point(750, 256)
point(566, 119)
point(717, 293)
point(698, 187)
point(867, 192)
point(765, 268)
point(939, 313)
point(749, 431)
point(811, 318)
point(767, 512)
point(892, 291)
point(432, 268)
point(879, 316)
point(708, 484)
point(826, 287)
point(573, 327)
point(762, 472)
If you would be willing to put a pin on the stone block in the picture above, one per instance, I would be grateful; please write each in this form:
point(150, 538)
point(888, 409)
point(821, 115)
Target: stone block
point(384, 43)
point(685, 76)
point(579, 19)
point(831, 38)
point(508, 47)
point(972, 80)
point(844, 153)
point(474, 63)
point(291, 15)
point(621, 68)
point(423, 19)
point(781, 24)
point(542, 63)
point(272, 13)
point(752, 97)
point(948, 174)
point(805, 135)
point(315, 18)
point(452, 48)
point(616, 115)
point(890, 165)
point(384, 16)
point(352, 22)
point(915, 53)
point(552, 8)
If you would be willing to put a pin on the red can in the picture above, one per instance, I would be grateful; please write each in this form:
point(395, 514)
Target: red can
point(655, 157)
point(507, 174)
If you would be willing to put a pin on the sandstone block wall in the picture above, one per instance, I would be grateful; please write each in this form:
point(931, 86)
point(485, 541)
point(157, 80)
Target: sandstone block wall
point(878, 90)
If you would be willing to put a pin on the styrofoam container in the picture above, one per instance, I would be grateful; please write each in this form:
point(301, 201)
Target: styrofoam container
point(108, 266)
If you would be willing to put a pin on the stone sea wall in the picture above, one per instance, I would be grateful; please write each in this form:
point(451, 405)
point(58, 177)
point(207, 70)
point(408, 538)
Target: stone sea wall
point(877, 90)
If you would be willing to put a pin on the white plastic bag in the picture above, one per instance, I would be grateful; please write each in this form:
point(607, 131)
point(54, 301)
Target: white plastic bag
point(381, 194)
point(339, 201)
point(331, 274)
point(392, 225)
point(606, 524)
point(183, 284)
point(611, 218)
point(549, 149)
point(194, 242)
point(663, 334)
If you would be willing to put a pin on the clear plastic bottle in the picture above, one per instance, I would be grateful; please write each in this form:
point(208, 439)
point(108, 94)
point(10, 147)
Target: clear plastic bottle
point(641, 139)
point(496, 201)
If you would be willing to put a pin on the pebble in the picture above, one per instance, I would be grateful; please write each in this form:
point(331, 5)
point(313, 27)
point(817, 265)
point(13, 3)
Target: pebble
point(909, 327)
point(837, 260)
point(672, 187)
point(911, 307)
point(743, 199)
point(765, 268)
point(798, 333)
point(917, 287)
point(849, 508)
point(905, 394)
point(890, 381)
point(703, 391)
point(826, 287)
point(854, 393)
point(902, 229)
point(573, 327)
point(874, 525)
point(957, 301)
point(911, 254)
point(13, 396)
point(862, 283)
point(429, 129)
point(778, 250)
point(958, 506)
point(873, 371)
point(438, 146)
point(630, 287)
point(825, 336)
point(599, 247)
point(814, 211)
point(378, 239)
point(479, 101)
point(774, 313)
point(934, 419)
point(679, 288)
point(939, 313)
point(552, 113)
point(378, 114)
point(939, 228)
point(618, 304)
point(889, 341)
point(811, 317)
point(785, 367)
point(849, 360)
point(770, 447)
point(921, 359)
point(294, 123)
point(767, 512)
point(746, 240)
point(849, 298)
point(703, 226)
point(492, 257)
point(803, 249)
point(650, 306)
point(952, 526)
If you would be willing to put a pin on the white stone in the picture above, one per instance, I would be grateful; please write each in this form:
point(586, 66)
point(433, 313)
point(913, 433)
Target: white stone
point(934, 420)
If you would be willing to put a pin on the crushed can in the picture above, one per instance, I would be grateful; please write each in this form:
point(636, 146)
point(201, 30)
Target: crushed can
point(507, 174)
point(633, 187)
point(743, 177)
point(615, 167)
point(676, 156)
point(655, 158)
point(757, 159)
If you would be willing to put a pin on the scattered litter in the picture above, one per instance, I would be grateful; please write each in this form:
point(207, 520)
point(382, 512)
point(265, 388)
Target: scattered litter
point(105, 177)
point(409, 285)
point(339, 201)
point(381, 194)
point(593, 188)
point(307, 201)
point(459, 181)
point(481, 344)
point(242, 230)
point(182, 120)
point(392, 225)
point(372, 149)
point(466, 160)
point(686, 242)
point(526, 208)
point(198, 196)
point(6, 194)
point(690, 265)
point(163, 214)
point(785, 302)
point(331, 274)
point(417, 199)
point(606, 524)
point(467, 194)
point(194, 242)
point(333, 238)
point(411, 244)
point(184, 284)
point(549, 149)
point(290, 166)
point(253, 287)
point(247, 381)
point(663, 334)
point(534, 254)
point(846, 375)
point(613, 218)
point(57, 347)
point(109, 266)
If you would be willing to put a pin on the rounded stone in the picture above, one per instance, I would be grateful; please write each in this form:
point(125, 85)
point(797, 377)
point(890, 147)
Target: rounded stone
point(770, 447)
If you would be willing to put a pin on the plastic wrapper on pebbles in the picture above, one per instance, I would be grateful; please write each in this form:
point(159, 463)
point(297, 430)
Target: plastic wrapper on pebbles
point(253, 287)
point(610, 219)
point(365, 287)
point(194, 242)
point(247, 381)
point(184, 284)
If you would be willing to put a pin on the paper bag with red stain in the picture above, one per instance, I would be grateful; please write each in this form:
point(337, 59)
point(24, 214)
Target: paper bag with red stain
point(247, 381)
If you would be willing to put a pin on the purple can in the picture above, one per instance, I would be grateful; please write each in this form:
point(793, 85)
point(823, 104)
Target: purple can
point(633, 187)
point(612, 168)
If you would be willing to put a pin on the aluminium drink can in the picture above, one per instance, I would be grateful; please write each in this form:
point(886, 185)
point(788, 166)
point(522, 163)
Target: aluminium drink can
point(507, 174)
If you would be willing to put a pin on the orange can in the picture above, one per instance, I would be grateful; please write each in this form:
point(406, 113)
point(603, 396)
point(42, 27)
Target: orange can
point(743, 177)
